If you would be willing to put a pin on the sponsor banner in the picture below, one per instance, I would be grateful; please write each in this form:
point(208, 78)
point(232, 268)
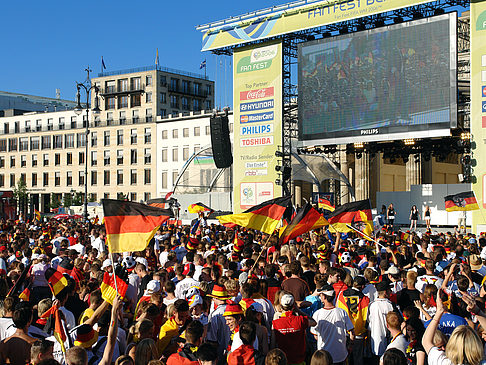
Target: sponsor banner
point(314, 15)
point(256, 129)
point(258, 117)
point(257, 94)
point(257, 141)
point(257, 100)
point(478, 109)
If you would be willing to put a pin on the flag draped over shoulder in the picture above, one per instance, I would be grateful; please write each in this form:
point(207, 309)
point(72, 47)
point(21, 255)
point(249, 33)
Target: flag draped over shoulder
point(323, 203)
point(130, 226)
point(59, 330)
point(461, 202)
point(198, 208)
point(263, 217)
point(304, 221)
point(356, 214)
point(108, 288)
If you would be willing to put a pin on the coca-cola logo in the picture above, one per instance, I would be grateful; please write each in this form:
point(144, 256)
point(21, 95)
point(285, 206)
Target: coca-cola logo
point(257, 94)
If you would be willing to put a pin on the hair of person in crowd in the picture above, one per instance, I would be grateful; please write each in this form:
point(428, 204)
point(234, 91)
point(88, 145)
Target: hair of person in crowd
point(206, 354)
point(394, 357)
point(321, 357)
point(76, 355)
point(146, 351)
point(276, 357)
point(124, 360)
point(464, 347)
point(41, 350)
point(248, 333)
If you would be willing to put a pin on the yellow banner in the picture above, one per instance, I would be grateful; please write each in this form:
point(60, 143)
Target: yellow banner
point(257, 100)
point(478, 110)
point(292, 20)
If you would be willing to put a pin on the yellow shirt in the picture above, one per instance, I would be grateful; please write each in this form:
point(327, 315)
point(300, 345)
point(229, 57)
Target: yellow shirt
point(87, 314)
point(168, 331)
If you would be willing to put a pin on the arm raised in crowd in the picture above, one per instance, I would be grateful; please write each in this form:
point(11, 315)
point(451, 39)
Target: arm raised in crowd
point(112, 332)
point(97, 314)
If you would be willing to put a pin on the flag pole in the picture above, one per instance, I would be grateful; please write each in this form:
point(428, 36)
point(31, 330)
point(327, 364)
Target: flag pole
point(364, 235)
point(113, 265)
point(263, 248)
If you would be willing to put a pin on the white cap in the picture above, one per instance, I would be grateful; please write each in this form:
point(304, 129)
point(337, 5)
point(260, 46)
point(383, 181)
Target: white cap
point(142, 260)
point(195, 300)
point(106, 264)
point(287, 301)
point(153, 286)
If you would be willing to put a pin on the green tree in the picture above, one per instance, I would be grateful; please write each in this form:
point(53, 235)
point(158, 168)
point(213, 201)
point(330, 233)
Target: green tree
point(21, 195)
point(67, 200)
point(55, 201)
point(78, 199)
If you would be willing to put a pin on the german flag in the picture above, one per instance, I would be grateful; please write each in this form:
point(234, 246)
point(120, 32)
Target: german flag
point(56, 280)
point(109, 290)
point(356, 305)
point(37, 215)
point(130, 226)
point(356, 214)
point(306, 220)
point(198, 208)
point(238, 243)
point(263, 217)
point(323, 203)
point(159, 202)
point(25, 295)
point(461, 202)
point(59, 330)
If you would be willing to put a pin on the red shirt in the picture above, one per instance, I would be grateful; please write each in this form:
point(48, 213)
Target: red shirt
point(245, 355)
point(290, 336)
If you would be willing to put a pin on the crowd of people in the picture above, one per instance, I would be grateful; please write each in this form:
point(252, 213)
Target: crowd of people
point(208, 297)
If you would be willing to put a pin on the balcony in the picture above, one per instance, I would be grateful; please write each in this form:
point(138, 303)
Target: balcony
point(188, 91)
point(116, 91)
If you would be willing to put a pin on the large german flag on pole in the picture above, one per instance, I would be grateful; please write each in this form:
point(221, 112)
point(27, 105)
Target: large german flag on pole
point(461, 202)
point(306, 220)
point(356, 214)
point(130, 226)
point(263, 217)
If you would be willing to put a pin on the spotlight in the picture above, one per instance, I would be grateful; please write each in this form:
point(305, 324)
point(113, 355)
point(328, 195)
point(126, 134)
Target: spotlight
point(465, 136)
point(278, 168)
point(359, 145)
point(466, 160)
point(409, 142)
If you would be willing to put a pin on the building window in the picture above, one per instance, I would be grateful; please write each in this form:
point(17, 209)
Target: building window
point(23, 161)
point(69, 178)
point(123, 101)
point(110, 103)
point(57, 159)
point(3, 145)
point(12, 144)
point(173, 101)
point(175, 133)
point(197, 88)
point(45, 179)
point(185, 132)
point(94, 139)
point(208, 105)
point(69, 140)
point(69, 158)
point(163, 80)
point(45, 159)
point(106, 195)
point(12, 180)
point(135, 100)
point(94, 158)
point(12, 161)
point(133, 136)
point(106, 177)
point(57, 178)
point(163, 98)
point(119, 177)
point(106, 157)
point(119, 137)
point(97, 121)
point(34, 160)
point(93, 197)
point(133, 177)
point(123, 85)
point(147, 156)
point(109, 118)
point(50, 124)
point(85, 121)
point(148, 97)
point(2, 161)
point(133, 156)
point(208, 89)
point(146, 197)
point(81, 158)
point(6, 128)
point(147, 176)
point(57, 141)
point(136, 83)
point(185, 103)
point(81, 178)
point(119, 157)
point(164, 155)
point(164, 134)
point(175, 154)
point(207, 130)
point(148, 115)
point(148, 80)
point(2, 180)
point(34, 143)
point(163, 112)
point(23, 144)
point(80, 140)
point(147, 135)
point(61, 123)
point(185, 153)
point(38, 125)
point(197, 104)
point(133, 197)
point(175, 174)
point(94, 178)
point(110, 86)
point(196, 148)
point(174, 84)
point(73, 122)
point(186, 86)
point(164, 180)
point(23, 178)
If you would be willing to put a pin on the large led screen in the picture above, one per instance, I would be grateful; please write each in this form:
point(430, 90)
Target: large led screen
point(393, 82)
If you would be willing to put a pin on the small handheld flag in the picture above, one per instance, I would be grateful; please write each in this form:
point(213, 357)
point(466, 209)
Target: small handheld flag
point(157, 57)
point(202, 65)
point(198, 208)
point(103, 66)
point(323, 203)
point(109, 289)
point(37, 215)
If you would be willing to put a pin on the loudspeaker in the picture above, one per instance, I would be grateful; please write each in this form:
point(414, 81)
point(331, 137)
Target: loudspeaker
point(220, 142)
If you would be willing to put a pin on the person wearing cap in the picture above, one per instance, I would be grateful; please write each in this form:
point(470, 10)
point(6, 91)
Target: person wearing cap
point(218, 330)
point(477, 267)
point(173, 328)
point(183, 286)
point(187, 355)
point(394, 277)
point(153, 286)
point(377, 319)
point(429, 277)
point(332, 326)
point(196, 309)
point(234, 315)
point(290, 329)
point(355, 303)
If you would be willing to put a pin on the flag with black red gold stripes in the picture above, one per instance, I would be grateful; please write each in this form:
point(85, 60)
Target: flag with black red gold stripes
point(461, 202)
point(130, 226)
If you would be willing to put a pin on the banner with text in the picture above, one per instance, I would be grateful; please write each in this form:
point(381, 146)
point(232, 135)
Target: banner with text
point(291, 20)
point(257, 100)
point(478, 110)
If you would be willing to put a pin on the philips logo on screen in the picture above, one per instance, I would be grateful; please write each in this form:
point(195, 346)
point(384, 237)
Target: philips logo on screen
point(367, 132)
point(259, 117)
point(256, 105)
point(256, 129)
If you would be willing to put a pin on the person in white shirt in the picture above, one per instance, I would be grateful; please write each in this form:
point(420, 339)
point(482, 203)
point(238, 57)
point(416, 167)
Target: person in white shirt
point(183, 286)
point(333, 326)
point(429, 277)
point(377, 312)
point(398, 340)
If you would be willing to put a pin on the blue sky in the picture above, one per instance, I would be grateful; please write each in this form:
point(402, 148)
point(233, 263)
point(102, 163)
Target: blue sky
point(47, 44)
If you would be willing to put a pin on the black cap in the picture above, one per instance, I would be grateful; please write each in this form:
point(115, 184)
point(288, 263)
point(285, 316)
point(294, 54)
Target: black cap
point(382, 285)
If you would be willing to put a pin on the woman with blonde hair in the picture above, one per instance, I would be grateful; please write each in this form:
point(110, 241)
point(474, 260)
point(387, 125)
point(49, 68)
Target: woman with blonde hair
point(321, 357)
point(146, 351)
point(464, 346)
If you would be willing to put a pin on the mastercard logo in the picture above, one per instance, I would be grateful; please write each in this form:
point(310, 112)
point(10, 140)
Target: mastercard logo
point(244, 119)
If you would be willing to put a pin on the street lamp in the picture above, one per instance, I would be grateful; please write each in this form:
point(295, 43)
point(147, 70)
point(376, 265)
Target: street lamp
point(87, 86)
